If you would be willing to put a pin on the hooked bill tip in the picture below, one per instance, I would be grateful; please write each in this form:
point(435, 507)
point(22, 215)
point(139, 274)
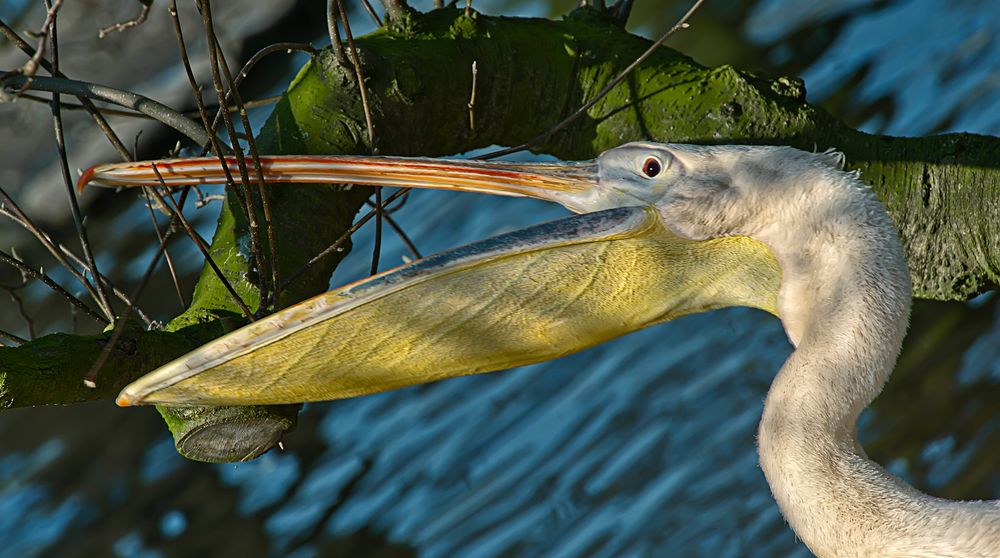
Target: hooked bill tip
point(85, 178)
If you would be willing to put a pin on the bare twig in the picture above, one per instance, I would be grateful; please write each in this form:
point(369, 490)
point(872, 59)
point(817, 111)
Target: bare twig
point(118, 113)
point(10, 208)
point(268, 285)
point(123, 25)
point(90, 378)
point(41, 276)
point(371, 12)
point(472, 99)
point(338, 244)
point(377, 245)
point(169, 260)
point(681, 24)
point(212, 139)
point(401, 202)
point(257, 57)
point(102, 123)
point(74, 207)
point(178, 214)
point(333, 28)
point(205, 199)
point(399, 231)
point(134, 101)
point(219, 150)
point(29, 68)
point(117, 292)
point(11, 338)
point(369, 122)
point(59, 251)
point(216, 60)
point(29, 322)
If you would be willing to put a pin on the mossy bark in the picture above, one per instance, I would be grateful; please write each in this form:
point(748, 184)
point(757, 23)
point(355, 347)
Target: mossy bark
point(943, 191)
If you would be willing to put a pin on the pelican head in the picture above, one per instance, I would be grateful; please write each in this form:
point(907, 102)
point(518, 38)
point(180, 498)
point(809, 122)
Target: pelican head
point(711, 191)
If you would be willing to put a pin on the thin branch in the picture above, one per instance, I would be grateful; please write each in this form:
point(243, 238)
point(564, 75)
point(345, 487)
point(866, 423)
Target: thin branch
point(90, 378)
point(681, 24)
point(267, 285)
point(257, 57)
point(334, 31)
point(29, 322)
point(338, 244)
point(9, 207)
point(102, 123)
point(117, 292)
point(23, 220)
point(472, 99)
point(162, 239)
point(176, 212)
point(219, 150)
point(60, 252)
point(399, 232)
point(377, 245)
point(359, 74)
point(11, 338)
point(205, 199)
point(390, 209)
point(158, 111)
point(249, 207)
point(118, 113)
point(123, 25)
point(74, 206)
point(213, 140)
point(18, 264)
point(371, 12)
point(30, 68)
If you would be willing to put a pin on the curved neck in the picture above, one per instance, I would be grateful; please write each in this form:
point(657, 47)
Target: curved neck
point(845, 304)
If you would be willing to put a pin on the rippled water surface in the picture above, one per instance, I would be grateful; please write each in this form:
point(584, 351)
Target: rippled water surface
point(644, 446)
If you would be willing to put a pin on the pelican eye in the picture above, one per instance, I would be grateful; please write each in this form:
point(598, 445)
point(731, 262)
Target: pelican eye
point(651, 167)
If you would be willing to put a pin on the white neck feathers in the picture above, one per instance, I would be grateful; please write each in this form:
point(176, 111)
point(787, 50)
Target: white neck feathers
point(845, 302)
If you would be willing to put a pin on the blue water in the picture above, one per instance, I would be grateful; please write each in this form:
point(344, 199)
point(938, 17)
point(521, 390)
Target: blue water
point(644, 446)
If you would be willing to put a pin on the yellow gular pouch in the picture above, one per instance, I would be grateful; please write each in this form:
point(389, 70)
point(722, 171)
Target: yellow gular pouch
point(517, 299)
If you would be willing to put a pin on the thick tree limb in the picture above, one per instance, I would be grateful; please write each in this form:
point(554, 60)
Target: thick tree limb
point(943, 191)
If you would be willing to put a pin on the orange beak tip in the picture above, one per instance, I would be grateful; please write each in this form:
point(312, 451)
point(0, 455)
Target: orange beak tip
point(85, 178)
point(123, 401)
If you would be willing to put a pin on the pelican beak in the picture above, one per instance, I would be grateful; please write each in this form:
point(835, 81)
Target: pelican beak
point(569, 184)
point(524, 297)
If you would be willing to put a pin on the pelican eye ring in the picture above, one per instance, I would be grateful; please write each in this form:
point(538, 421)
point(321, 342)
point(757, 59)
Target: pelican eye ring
point(651, 167)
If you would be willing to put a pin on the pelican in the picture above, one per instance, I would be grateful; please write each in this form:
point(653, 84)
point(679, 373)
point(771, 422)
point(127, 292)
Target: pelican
point(664, 230)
